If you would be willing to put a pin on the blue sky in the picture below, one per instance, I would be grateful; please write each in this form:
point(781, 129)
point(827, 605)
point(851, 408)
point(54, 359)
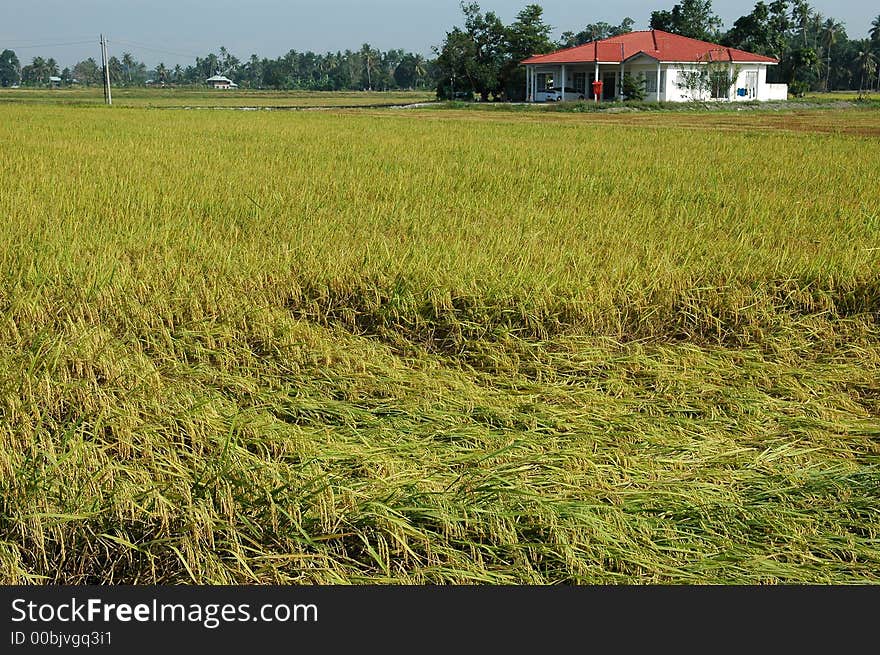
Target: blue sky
point(174, 31)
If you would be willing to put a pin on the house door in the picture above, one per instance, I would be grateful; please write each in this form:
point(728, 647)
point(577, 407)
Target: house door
point(609, 86)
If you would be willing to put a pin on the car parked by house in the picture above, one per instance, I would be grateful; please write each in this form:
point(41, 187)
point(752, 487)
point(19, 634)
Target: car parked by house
point(556, 94)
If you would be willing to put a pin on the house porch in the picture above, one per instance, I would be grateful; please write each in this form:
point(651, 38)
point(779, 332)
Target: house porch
point(580, 78)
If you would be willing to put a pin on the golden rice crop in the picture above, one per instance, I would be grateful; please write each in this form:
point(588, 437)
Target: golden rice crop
point(437, 346)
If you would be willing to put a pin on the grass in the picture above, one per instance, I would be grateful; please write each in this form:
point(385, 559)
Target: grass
point(204, 97)
point(858, 121)
point(834, 96)
point(835, 102)
point(438, 347)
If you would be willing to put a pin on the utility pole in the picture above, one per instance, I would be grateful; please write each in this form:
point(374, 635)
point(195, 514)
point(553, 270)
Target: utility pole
point(106, 65)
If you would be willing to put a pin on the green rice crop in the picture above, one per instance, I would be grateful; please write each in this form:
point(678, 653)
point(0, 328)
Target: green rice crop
point(438, 347)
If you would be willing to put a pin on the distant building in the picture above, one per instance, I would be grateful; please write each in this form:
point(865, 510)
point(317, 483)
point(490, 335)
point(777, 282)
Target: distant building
point(54, 80)
point(220, 82)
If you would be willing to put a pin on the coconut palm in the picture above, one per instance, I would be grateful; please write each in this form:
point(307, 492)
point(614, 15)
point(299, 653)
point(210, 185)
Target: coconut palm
point(117, 70)
point(875, 30)
point(831, 30)
point(874, 33)
point(351, 65)
point(420, 68)
point(36, 71)
point(866, 64)
point(801, 13)
point(212, 64)
point(816, 22)
point(370, 58)
point(254, 71)
point(128, 64)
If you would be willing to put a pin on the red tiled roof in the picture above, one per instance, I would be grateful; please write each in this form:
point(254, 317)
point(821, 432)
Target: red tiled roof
point(656, 44)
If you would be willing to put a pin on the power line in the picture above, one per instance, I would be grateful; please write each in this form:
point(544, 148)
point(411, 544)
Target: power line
point(65, 37)
point(124, 42)
point(154, 49)
point(48, 45)
point(143, 46)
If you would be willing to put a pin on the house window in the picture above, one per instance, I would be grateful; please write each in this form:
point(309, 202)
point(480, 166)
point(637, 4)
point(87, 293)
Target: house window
point(650, 81)
point(580, 82)
point(545, 81)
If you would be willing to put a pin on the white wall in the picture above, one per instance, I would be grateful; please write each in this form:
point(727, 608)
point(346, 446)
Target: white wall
point(770, 91)
point(776, 91)
point(670, 90)
point(639, 69)
point(764, 91)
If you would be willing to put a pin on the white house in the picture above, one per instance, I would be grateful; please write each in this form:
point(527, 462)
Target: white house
point(662, 61)
point(220, 82)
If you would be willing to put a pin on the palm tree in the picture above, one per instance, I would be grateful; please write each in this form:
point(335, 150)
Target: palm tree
point(116, 69)
point(178, 74)
point(866, 62)
point(128, 63)
point(800, 14)
point(831, 29)
point(326, 65)
point(420, 69)
point(874, 33)
point(35, 72)
point(816, 22)
point(369, 58)
point(211, 64)
point(255, 71)
point(353, 68)
point(875, 30)
point(41, 69)
point(161, 73)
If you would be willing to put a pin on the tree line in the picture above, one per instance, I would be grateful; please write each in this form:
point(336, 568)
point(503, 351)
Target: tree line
point(365, 69)
point(481, 56)
point(814, 50)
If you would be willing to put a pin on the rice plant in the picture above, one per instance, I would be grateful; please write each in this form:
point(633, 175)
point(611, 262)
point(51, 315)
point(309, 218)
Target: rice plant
point(442, 347)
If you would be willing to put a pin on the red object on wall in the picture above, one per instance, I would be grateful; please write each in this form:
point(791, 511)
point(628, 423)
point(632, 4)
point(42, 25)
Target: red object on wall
point(597, 89)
